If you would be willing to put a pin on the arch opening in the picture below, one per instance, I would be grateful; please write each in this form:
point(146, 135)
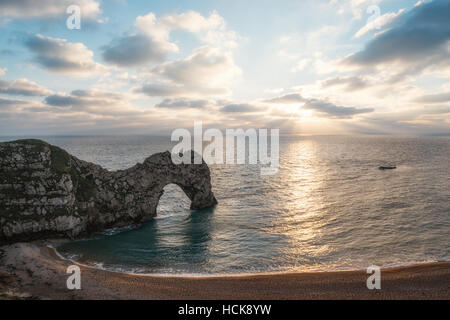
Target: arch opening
point(173, 199)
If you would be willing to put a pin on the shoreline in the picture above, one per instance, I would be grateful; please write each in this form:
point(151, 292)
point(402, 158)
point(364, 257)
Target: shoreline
point(34, 270)
point(239, 275)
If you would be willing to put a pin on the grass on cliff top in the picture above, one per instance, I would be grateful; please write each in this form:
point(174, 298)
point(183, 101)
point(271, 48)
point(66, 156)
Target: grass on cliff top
point(60, 159)
point(61, 164)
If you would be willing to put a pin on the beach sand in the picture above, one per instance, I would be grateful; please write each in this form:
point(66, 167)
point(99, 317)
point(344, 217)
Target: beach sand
point(34, 271)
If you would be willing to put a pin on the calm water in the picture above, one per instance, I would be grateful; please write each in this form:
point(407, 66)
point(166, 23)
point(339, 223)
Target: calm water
point(328, 208)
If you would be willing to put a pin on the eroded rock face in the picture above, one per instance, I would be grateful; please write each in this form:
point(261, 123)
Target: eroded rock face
point(46, 192)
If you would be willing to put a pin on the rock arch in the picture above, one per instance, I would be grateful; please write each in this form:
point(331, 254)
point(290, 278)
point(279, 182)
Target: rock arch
point(46, 192)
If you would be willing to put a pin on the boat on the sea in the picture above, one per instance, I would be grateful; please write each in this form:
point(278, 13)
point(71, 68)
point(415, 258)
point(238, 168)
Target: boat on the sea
point(387, 167)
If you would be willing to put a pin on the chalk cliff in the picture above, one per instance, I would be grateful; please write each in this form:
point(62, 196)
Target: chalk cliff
point(46, 192)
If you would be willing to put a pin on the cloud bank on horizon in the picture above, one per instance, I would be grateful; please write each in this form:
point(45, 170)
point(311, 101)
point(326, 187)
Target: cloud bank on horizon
point(309, 67)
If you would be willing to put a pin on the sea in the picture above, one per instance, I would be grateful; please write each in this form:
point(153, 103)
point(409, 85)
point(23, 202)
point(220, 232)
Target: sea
point(329, 207)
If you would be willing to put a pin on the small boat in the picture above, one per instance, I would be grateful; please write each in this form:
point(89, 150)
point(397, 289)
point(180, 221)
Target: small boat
point(387, 168)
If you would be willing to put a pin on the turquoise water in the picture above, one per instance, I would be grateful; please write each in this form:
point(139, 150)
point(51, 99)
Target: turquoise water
point(328, 208)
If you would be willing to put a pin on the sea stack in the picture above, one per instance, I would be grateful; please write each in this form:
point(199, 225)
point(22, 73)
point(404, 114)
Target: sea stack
point(47, 193)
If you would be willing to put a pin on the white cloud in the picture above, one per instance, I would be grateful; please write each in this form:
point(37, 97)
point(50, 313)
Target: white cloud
point(211, 30)
point(204, 66)
point(60, 56)
point(151, 40)
point(206, 72)
point(23, 87)
point(378, 23)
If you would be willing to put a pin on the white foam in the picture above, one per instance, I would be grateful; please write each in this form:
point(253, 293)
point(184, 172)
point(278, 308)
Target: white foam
point(100, 266)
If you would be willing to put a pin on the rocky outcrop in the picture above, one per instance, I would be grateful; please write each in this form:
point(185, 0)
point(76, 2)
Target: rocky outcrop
point(46, 192)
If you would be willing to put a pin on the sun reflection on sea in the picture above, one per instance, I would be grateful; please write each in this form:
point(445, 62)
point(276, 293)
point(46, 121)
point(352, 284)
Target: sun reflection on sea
point(301, 213)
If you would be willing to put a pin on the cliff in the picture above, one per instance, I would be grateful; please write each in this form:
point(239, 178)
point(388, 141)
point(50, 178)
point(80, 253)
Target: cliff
point(46, 192)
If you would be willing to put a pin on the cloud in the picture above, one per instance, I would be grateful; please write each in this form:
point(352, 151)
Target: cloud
point(23, 87)
point(161, 90)
point(15, 107)
point(204, 65)
point(62, 100)
point(435, 98)
point(211, 30)
point(206, 72)
point(378, 23)
point(136, 50)
point(184, 104)
point(240, 108)
point(177, 90)
point(334, 111)
point(30, 9)
point(7, 103)
point(323, 107)
point(416, 41)
point(80, 111)
point(58, 55)
point(84, 98)
point(287, 99)
point(414, 120)
point(3, 71)
point(150, 42)
point(349, 83)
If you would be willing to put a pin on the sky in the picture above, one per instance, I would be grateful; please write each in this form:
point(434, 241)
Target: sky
point(375, 67)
